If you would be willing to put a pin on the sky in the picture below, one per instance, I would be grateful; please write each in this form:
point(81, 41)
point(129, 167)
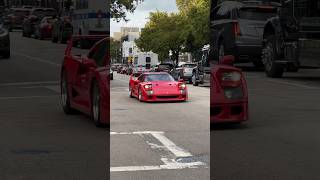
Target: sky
point(140, 17)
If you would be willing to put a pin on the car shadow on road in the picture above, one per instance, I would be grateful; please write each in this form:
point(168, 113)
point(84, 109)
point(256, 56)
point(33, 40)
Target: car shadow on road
point(302, 78)
point(249, 68)
point(228, 126)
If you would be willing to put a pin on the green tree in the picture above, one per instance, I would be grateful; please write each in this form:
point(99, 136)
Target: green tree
point(115, 50)
point(197, 18)
point(119, 8)
point(163, 33)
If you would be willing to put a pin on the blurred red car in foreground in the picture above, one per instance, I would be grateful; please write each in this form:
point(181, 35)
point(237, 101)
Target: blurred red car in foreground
point(85, 80)
point(157, 86)
point(229, 95)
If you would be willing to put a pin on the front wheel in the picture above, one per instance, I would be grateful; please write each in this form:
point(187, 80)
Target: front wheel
point(140, 95)
point(7, 55)
point(65, 100)
point(269, 55)
point(130, 92)
point(96, 105)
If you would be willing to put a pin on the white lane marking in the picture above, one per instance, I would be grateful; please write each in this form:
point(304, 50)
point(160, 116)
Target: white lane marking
point(29, 83)
point(177, 151)
point(37, 59)
point(293, 84)
point(168, 145)
point(25, 97)
point(171, 166)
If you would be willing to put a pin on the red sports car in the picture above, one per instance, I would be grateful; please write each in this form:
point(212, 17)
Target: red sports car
point(157, 86)
point(85, 80)
point(229, 95)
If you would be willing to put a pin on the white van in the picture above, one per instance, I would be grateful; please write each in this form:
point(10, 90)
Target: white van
point(144, 62)
point(90, 17)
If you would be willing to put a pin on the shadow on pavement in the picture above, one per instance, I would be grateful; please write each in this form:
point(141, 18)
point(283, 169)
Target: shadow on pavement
point(228, 126)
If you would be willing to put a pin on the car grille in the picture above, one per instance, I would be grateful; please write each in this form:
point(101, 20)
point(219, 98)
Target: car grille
point(167, 97)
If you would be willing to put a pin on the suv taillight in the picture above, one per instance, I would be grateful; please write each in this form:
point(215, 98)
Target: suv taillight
point(236, 29)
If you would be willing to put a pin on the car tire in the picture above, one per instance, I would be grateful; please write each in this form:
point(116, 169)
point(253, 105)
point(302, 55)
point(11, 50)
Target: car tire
point(179, 77)
point(194, 80)
point(96, 105)
point(269, 55)
point(140, 95)
point(130, 92)
point(65, 98)
point(6, 55)
point(221, 51)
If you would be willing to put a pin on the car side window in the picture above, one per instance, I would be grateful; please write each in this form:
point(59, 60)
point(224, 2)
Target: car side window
point(223, 12)
point(141, 78)
point(99, 54)
point(213, 15)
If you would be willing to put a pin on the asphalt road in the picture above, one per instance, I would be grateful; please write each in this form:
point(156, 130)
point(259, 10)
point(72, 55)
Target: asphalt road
point(152, 140)
point(38, 141)
point(281, 139)
point(159, 141)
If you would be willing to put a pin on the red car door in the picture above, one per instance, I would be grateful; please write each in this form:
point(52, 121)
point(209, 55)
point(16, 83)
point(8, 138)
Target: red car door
point(93, 67)
point(136, 84)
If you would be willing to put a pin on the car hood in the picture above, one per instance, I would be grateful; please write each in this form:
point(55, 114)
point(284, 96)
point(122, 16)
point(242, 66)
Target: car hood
point(163, 87)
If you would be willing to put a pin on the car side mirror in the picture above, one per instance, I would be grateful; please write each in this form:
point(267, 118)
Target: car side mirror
point(227, 60)
point(181, 80)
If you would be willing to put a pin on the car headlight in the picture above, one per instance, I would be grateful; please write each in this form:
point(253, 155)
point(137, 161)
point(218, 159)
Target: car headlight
point(148, 86)
point(231, 76)
point(182, 86)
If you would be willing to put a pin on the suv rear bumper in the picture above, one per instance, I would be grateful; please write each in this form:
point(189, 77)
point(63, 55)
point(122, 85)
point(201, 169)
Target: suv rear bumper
point(245, 53)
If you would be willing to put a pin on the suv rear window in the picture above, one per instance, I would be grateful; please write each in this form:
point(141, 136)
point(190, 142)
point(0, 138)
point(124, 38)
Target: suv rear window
point(189, 65)
point(258, 14)
point(20, 13)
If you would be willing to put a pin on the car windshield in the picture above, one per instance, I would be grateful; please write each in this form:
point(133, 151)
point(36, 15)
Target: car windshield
point(158, 77)
point(21, 12)
point(50, 12)
point(164, 66)
point(258, 14)
point(189, 65)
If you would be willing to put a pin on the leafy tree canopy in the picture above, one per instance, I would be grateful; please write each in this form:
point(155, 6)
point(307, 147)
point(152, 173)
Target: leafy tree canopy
point(119, 8)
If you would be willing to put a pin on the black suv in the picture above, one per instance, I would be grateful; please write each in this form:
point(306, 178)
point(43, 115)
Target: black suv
point(238, 29)
point(4, 40)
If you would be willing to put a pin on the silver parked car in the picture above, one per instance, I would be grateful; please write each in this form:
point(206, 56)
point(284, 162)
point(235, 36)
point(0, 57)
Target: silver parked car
point(184, 71)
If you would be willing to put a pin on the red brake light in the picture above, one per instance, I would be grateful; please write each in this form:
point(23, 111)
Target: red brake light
point(236, 29)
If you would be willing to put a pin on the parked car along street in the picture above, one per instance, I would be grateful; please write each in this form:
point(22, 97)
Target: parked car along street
point(238, 29)
point(16, 16)
point(62, 30)
point(44, 28)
